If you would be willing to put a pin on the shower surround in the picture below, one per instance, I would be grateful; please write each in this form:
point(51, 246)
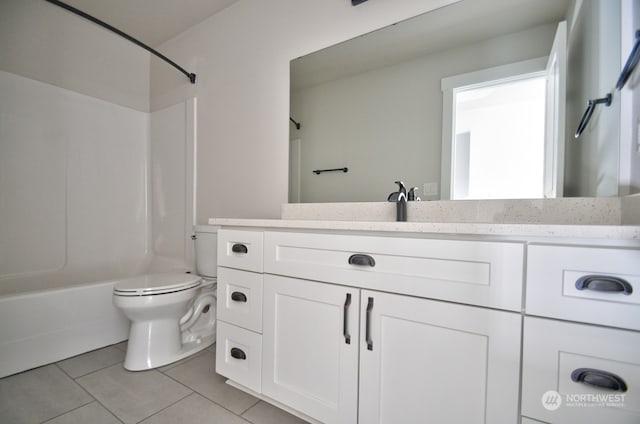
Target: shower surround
point(90, 191)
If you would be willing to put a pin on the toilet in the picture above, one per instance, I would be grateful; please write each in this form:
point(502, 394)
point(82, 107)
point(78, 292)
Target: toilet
point(173, 314)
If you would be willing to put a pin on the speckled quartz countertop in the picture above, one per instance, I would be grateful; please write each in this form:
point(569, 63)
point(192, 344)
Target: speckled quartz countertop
point(618, 232)
point(583, 218)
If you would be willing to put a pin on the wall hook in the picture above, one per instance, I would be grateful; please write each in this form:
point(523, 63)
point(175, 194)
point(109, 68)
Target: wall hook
point(591, 106)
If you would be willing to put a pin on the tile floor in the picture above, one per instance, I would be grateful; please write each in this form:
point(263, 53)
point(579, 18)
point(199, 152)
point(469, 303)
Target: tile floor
point(94, 388)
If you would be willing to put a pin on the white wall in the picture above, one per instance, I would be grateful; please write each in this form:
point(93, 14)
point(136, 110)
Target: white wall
point(405, 103)
point(41, 41)
point(73, 180)
point(241, 56)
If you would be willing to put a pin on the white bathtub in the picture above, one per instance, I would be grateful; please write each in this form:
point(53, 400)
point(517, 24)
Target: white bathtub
point(49, 317)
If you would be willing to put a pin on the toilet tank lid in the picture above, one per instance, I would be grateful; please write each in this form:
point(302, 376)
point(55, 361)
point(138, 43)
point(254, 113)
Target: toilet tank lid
point(205, 228)
point(158, 283)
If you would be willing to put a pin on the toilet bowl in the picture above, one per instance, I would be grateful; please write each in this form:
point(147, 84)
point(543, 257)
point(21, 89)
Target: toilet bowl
point(172, 315)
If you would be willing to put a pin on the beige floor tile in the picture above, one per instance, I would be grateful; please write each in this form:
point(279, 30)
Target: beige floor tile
point(92, 361)
point(92, 413)
point(38, 395)
point(264, 413)
point(133, 396)
point(194, 409)
point(199, 375)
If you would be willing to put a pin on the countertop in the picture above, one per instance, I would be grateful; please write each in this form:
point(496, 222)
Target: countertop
point(611, 232)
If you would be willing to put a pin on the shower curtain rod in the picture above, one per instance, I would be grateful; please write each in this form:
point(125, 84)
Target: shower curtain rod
point(191, 76)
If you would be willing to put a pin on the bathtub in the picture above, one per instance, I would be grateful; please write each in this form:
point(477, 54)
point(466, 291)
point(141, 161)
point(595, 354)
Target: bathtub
point(48, 317)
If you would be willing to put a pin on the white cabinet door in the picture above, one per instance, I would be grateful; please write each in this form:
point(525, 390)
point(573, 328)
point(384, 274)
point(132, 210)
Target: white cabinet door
point(437, 362)
point(310, 347)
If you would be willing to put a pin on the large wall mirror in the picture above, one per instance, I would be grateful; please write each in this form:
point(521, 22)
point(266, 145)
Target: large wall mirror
point(478, 99)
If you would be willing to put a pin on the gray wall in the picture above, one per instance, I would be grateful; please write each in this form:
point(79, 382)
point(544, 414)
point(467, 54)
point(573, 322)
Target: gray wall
point(592, 161)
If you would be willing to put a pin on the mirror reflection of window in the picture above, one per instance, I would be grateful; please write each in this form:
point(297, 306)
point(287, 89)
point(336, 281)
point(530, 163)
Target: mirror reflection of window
point(499, 135)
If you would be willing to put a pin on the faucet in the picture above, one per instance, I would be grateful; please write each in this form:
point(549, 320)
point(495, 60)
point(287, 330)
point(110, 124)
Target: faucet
point(401, 203)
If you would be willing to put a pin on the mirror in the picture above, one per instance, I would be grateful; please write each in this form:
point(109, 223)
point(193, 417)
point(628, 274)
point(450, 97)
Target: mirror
point(377, 105)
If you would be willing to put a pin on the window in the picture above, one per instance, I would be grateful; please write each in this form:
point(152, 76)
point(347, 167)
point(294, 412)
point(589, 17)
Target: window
point(503, 129)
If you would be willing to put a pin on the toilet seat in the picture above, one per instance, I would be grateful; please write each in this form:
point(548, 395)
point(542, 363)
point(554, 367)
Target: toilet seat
point(156, 284)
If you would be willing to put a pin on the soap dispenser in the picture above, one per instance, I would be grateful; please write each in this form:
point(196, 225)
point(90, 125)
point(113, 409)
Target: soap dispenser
point(401, 202)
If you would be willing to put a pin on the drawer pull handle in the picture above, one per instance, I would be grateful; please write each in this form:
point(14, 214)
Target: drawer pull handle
point(238, 297)
point(361, 260)
point(239, 248)
point(604, 283)
point(599, 378)
point(345, 325)
point(238, 353)
point(368, 324)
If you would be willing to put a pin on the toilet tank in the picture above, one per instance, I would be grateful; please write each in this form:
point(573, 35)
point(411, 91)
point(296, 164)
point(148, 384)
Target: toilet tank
point(206, 250)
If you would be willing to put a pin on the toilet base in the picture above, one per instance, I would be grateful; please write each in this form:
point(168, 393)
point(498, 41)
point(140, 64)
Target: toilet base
point(143, 356)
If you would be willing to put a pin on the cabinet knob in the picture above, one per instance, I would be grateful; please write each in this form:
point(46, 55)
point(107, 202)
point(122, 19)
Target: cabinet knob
point(239, 248)
point(238, 353)
point(238, 297)
point(361, 260)
point(599, 378)
point(604, 283)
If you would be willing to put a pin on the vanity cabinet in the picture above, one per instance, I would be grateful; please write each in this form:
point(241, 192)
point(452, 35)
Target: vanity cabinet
point(348, 328)
point(581, 359)
point(418, 359)
point(351, 336)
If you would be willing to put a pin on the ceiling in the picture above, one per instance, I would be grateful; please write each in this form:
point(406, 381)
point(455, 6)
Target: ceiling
point(151, 21)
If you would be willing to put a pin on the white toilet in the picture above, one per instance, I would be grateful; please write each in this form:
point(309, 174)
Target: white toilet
point(173, 315)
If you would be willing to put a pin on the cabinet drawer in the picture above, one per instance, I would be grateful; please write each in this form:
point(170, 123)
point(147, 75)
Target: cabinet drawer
point(472, 272)
point(240, 249)
point(239, 355)
point(240, 298)
point(555, 350)
point(558, 284)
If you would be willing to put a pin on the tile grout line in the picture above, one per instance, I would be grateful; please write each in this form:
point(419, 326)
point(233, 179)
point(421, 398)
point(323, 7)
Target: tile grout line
point(246, 410)
point(211, 400)
point(168, 406)
point(87, 392)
